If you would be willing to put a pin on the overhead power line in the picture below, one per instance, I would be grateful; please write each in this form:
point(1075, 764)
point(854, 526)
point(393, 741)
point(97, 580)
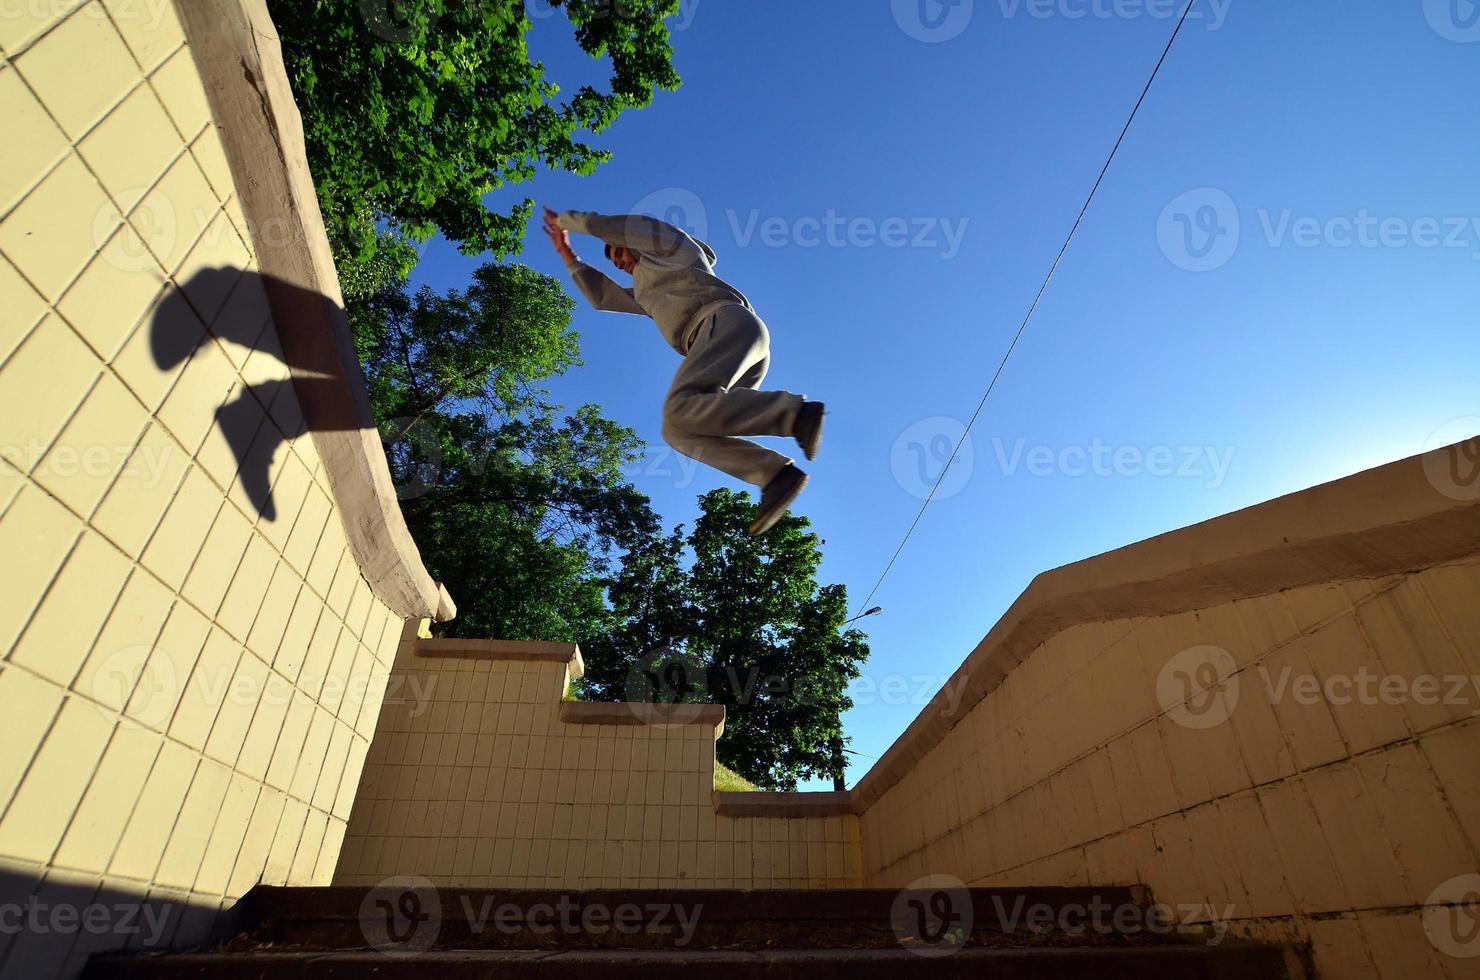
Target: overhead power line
point(1036, 300)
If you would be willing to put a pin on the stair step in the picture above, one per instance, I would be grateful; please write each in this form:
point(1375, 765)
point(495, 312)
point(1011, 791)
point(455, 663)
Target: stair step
point(1228, 962)
point(342, 918)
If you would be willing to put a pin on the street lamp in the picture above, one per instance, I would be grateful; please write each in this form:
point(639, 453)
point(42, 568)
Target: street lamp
point(867, 612)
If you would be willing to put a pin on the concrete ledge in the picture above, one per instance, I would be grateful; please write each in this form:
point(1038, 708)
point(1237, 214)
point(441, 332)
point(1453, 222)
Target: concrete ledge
point(767, 804)
point(1396, 518)
point(558, 653)
point(237, 54)
point(640, 713)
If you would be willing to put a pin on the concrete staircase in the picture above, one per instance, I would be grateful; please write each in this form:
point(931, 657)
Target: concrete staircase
point(418, 931)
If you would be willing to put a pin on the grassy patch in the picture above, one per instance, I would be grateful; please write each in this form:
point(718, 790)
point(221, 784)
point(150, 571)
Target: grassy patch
point(727, 781)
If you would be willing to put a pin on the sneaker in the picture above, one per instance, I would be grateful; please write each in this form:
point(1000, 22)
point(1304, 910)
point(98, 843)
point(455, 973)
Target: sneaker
point(808, 427)
point(777, 496)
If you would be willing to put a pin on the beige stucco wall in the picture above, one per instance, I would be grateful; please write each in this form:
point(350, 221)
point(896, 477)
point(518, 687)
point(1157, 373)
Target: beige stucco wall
point(1298, 815)
point(474, 780)
point(188, 687)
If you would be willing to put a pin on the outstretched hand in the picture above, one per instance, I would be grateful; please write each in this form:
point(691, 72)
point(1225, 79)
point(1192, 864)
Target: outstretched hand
point(559, 237)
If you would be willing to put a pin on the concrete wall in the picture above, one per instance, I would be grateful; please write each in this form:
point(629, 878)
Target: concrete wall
point(1300, 763)
point(479, 776)
point(189, 684)
point(1294, 815)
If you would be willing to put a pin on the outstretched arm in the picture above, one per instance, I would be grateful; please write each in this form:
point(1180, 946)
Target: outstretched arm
point(600, 291)
point(635, 231)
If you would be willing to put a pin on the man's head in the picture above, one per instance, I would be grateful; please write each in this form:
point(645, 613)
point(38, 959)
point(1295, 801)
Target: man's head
point(622, 257)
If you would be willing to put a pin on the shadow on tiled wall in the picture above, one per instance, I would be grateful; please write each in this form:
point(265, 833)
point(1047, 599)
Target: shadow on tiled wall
point(177, 334)
point(66, 920)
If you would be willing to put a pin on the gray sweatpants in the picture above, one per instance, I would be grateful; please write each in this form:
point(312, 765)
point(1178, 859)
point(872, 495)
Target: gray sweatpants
point(714, 399)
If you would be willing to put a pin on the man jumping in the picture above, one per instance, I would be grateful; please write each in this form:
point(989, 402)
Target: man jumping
point(715, 397)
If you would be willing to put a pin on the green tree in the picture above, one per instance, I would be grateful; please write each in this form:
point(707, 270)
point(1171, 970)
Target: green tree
point(748, 626)
point(518, 510)
point(413, 110)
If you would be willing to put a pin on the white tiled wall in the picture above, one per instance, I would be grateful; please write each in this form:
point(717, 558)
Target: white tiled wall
point(177, 722)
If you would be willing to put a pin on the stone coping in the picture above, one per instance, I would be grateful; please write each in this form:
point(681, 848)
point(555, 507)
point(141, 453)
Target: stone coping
point(237, 53)
point(774, 804)
point(641, 713)
point(524, 650)
point(1396, 518)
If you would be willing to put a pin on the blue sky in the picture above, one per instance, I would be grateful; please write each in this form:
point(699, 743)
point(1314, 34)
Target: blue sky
point(1278, 284)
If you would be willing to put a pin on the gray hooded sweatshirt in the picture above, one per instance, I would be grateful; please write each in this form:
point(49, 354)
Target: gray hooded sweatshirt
point(674, 282)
